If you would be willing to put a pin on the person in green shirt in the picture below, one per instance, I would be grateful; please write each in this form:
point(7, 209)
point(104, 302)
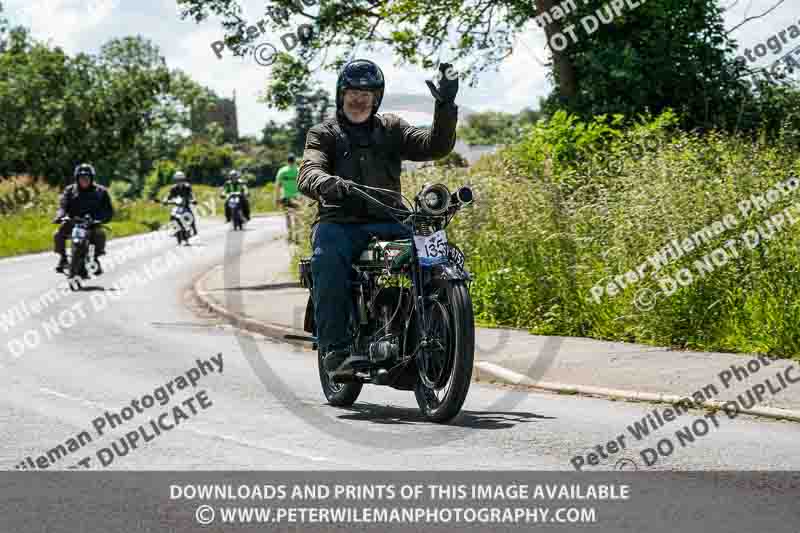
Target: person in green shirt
point(234, 184)
point(286, 184)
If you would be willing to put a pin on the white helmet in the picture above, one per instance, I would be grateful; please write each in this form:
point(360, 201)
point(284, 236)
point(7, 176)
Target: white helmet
point(179, 176)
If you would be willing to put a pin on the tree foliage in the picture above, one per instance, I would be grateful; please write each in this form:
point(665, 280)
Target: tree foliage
point(493, 127)
point(121, 109)
point(661, 54)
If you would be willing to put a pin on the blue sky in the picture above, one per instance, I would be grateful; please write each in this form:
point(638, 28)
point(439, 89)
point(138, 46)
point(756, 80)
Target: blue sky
point(84, 25)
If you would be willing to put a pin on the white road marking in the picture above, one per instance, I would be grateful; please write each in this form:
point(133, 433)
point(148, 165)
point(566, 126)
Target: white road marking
point(229, 438)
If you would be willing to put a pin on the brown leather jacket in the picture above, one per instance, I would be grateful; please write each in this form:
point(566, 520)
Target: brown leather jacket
point(331, 151)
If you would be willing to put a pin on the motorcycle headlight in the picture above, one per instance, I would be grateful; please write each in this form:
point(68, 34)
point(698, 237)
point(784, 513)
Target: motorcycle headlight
point(435, 199)
point(464, 195)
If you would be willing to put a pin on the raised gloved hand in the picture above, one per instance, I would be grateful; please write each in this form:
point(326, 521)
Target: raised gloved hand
point(335, 189)
point(448, 84)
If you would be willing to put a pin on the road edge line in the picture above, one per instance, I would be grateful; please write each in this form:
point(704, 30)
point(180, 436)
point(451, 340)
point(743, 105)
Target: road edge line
point(511, 377)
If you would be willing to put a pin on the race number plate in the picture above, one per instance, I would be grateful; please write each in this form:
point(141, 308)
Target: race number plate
point(432, 250)
point(78, 233)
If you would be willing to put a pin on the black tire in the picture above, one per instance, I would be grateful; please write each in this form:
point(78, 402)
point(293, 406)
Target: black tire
point(461, 353)
point(77, 259)
point(337, 394)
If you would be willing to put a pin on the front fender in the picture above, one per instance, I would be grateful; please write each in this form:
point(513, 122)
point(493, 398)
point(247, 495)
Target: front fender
point(450, 271)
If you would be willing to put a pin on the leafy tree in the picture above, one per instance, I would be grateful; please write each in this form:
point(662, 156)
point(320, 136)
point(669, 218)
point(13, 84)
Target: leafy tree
point(492, 127)
point(662, 54)
point(3, 29)
point(204, 162)
point(275, 135)
point(309, 110)
point(162, 174)
point(57, 111)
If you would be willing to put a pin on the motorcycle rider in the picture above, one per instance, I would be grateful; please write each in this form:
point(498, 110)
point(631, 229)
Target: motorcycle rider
point(235, 183)
point(286, 184)
point(360, 146)
point(80, 198)
point(183, 189)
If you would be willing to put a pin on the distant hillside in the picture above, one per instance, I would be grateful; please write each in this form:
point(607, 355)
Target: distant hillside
point(420, 105)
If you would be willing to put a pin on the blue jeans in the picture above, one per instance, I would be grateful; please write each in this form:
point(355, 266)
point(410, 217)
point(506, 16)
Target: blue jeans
point(335, 247)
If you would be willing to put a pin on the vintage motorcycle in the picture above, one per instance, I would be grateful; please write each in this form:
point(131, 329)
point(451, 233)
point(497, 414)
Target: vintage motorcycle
point(81, 253)
point(235, 206)
point(181, 219)
point(411, 313)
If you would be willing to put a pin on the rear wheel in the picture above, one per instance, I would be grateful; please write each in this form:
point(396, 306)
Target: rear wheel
point(337, 394)
point(446, 369)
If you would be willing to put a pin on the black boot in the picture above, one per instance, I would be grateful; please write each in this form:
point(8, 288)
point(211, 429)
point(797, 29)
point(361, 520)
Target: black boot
point(63, 264)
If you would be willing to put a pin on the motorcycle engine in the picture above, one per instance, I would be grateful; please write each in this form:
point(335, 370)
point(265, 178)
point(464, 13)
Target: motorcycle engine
point(384, 350)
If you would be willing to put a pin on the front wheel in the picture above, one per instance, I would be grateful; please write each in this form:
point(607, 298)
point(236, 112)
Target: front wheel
point(446, 372)
point(76, 265)
point(337, 394)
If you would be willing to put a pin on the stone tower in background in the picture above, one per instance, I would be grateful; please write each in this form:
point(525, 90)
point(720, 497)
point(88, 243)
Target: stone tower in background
point(223, 112)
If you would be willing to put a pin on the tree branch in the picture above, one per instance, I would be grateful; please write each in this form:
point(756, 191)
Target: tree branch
point(748, 19)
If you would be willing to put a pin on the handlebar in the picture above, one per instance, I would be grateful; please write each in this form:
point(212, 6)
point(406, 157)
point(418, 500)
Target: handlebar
point(76, 220)
point(174, 202)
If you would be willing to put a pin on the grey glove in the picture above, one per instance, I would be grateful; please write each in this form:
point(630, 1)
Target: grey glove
point(335, 189)
point(448, 88)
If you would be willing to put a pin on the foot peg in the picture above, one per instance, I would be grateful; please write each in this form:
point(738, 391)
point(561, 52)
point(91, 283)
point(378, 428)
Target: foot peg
point(338, 377)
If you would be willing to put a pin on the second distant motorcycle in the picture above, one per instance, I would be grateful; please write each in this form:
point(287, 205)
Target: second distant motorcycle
point(234, 204)
point(181, 219)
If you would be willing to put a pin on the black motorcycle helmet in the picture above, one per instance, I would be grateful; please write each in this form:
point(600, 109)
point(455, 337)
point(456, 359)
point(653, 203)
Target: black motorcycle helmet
point(360, 74)
point(84, 169)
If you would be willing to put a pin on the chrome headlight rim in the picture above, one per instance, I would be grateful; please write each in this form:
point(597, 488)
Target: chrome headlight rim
point(443, 194)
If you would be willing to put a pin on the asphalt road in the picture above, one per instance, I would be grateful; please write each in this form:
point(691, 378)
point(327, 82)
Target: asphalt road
point(265, 410)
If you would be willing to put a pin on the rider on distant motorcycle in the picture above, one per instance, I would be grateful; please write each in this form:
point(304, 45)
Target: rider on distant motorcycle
point(235, 184)
point(183, 189)
point(79, 199)
point(286, 184)
point(360, 145)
